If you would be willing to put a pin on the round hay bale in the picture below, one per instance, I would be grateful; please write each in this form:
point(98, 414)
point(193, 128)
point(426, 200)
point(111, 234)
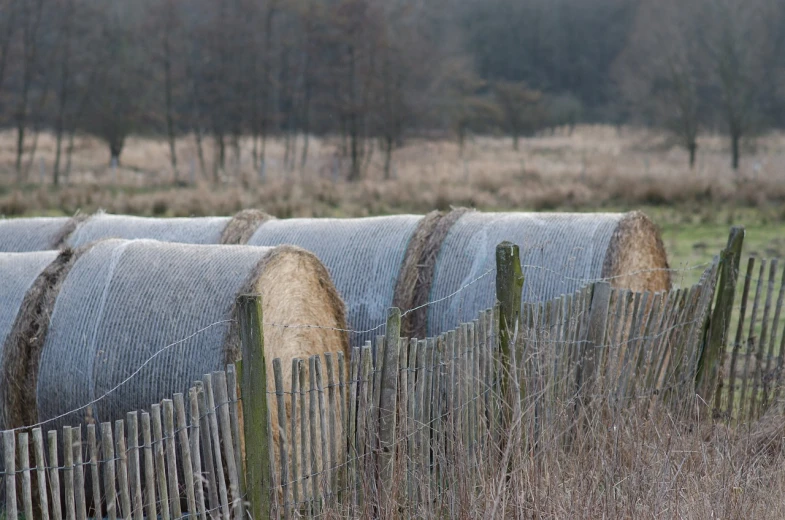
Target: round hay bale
point(242, 226)
point(18, 271)
point(560, 252)
point(164, 313)
point(21, 235)
point(364, 257)
point(202, 230)
point(23, 344)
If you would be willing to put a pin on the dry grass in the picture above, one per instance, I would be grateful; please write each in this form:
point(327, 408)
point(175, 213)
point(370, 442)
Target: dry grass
point(595, 167)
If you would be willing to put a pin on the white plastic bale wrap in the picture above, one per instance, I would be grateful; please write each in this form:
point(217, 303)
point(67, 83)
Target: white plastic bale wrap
point(560, 253)
point(18, 271)
point(364, 258)
point(203, 230)
point(21, 235)
point(123, 302)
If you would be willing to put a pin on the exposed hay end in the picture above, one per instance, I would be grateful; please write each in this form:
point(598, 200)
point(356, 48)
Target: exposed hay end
point(636, 257)
point(243, 225)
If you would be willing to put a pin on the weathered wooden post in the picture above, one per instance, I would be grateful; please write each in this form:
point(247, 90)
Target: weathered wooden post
point(254, 398)
point(388, 401)
point(717, 332)
point(509, 287)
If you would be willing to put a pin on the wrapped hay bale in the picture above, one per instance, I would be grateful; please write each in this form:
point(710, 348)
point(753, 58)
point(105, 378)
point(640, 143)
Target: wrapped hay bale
point(373, 261)
point(199, 230)
point(18, 271)
point(21, 235)
point(560, 252)
point(164, 314)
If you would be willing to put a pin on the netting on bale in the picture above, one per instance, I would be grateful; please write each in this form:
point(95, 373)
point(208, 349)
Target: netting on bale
point(560, 252)
point(364, 257)
point(18, 271)
point(21, 235)
point(202, 230)
point(162, 314)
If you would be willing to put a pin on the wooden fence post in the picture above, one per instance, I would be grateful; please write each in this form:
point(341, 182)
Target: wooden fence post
point(255, 411)
point(388, 401)
point(719, 324)
point(509, 287)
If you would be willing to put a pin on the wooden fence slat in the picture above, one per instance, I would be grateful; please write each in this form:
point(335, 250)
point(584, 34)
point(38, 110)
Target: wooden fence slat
point(40, 466)
point(342, 397)
point(744, 405)
point(185, 451)
point(293, 444)
point(283, 445)
point(68, 473)
point(27, 487)
point(196, 456)
point(208, 464)
point(224, 421)
point(419, 416)
point(122, 468)
point(79, 478)
point(134, 466)
point(160, 463)
point(666, 339)
point(657, 342)
point(411, 377)
point(54, 475)
point(427, 417)
point(737, 342)
point(107, 451)
point(762, 342)
point(769, 376)
point(234, 417)
point(365, 393)
point(335, 458)
point(305, 445)
point(95, 476)
point(313, 407)
point(322, 418)
point(9, 451)
point(149, 468)
point(216, 444)
point(171, 458)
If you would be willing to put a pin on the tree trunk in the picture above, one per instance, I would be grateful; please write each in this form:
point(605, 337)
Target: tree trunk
point(692, 148)
point(69, 153)
point(219, 160)
point(58, 152)
point(735, 152)
point(115, 149)
point(388, 150)
point(200, 151)
point(515, 139)
point(354, 143)
point(170, 130)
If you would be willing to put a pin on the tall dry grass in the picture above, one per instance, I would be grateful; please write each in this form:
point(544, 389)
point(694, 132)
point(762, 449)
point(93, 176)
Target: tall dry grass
point(594, 167)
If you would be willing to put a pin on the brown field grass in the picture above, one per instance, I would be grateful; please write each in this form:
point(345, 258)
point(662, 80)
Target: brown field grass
point(593, 168)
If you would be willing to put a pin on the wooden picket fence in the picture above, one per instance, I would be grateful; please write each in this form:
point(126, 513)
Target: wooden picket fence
point(182, 459)
point(403, 420)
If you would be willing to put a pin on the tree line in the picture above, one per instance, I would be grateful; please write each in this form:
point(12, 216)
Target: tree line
point(376, 72)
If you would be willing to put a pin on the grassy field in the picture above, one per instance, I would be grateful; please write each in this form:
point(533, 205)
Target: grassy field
point(595, 168)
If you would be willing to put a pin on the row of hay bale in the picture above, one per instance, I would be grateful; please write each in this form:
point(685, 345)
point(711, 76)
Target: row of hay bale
point(408, 260)
point(78, 324)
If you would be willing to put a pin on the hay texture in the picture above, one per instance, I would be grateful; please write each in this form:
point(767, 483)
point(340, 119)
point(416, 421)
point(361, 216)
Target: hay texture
point(170, 309)
point(364, 257)
point(560, 252)
point(242, 226)
point(204, 230)
point(22, 235)
point(18, 271)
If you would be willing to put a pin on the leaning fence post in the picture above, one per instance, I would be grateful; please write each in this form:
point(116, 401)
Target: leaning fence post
point(719, 324)
point(254, 397)
point(509, 287)
point(388, 400)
